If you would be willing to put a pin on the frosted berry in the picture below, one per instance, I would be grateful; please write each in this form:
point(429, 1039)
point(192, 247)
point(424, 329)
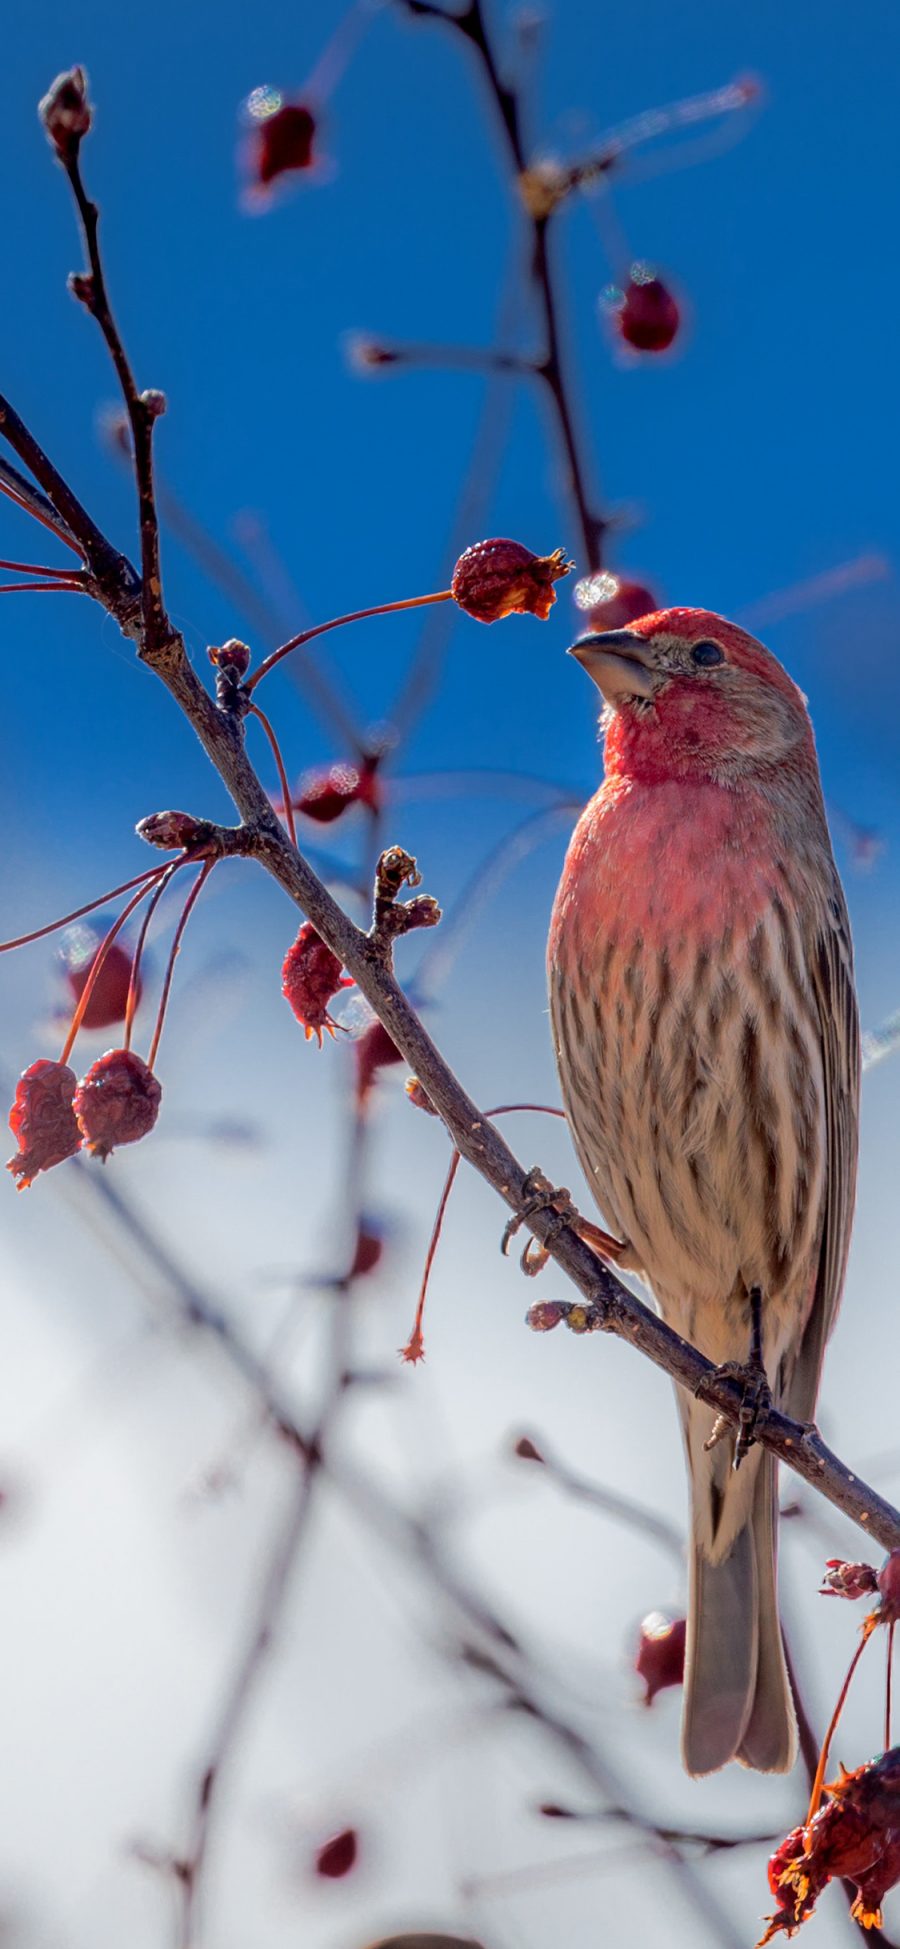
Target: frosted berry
point(610, 602)
point(282, 136)
point(66, 113)
point(336, 1857)
point(374, 1050)
point(42, 1120)
point(648, 317)
point(501, 578)
point(109, 994)
point(324, 795)
point(117, 1102)
point(310, 978)
point(659, 1659)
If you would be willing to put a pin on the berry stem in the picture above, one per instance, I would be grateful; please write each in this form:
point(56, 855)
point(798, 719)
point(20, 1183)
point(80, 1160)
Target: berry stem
point(70, 587)
point(888, 1687)
point(155, 898)
point(337, 622)
point(28, 507)
point(414, 1348)
point(97, 965)
point(140, 879)
point(819, 1781)
point(254, 711)
point(39, 568)
point(190, 902)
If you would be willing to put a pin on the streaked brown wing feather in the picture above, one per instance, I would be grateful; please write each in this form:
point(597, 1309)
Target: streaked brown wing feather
point(831, 969)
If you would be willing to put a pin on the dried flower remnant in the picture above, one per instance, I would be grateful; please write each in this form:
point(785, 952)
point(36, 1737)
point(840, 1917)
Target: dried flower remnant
point(281, 139)
point(646, 315)
point(850, 1580)
point(310, 979)
point(545, 1314)
point(117, 1102)
point(366, 355)
point(337, 1856)
point(42, 1120)
point(610, 602)
point(109, 993)
point(659, 1659)
point(324, 795)
point(419, 1097)
point(500, 578)
point(66, 113)
point(854, 1836)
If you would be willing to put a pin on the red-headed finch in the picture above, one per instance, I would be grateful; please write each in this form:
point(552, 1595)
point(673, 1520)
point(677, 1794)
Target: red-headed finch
point(705, 1023)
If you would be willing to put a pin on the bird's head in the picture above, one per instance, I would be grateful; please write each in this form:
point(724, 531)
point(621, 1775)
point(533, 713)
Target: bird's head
point(688, 694)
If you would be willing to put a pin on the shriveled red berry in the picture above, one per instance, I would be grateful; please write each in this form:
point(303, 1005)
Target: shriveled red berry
point(610, 602)
point(310, 978)
point(659, 1659)
point(374, 1050)
point(117, 1102)
point(368, 1251)
point(648, 317)
point(283, 135)
point(324, 795)
point(889, 1586)
point(337, 1856)
point(851, 1580)
point(109, 994)
point(42, 1120)
point(501, 578)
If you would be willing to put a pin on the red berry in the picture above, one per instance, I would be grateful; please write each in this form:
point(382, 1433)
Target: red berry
point(117, 1102)
point(610, 602)
point(660, 1653)
point(283, 136)
point(501, 578)
point(368, 1252)
point(324, 795)
point(110, 991)
point(42, 1120)
point(337, 1856)
point(889, 1586)
point(648, 318)
point(310, 978)
point(526, 1450)
point(374, 1050)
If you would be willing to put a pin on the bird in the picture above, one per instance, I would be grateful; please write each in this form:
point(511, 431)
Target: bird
point(706, 1031)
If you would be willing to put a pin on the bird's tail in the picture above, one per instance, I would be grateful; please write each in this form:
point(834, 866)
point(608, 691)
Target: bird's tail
point(737, 1700)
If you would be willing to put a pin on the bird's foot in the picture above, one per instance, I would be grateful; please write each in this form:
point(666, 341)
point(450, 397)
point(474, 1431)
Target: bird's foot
point(755, 1403)
point(541, 1195)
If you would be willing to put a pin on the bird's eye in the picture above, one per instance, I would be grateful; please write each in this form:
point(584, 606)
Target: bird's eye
point(706, 654)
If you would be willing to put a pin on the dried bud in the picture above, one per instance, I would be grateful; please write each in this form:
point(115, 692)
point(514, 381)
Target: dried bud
point(552, 1810)
point(611, 603)
point(109, 994)
point(526, 1450)
point(336, 1857)
point(324, 795)
point(848, 1579)
point(155, 403)
point(855, 1835)
point(374, 1050)
point(368, 1252)
point(310, 978)
point(170, 830)
point(501, 578)
point(659, 1659)
point(117, 1102)
point(81, 285)
point(42, 1120)
point(889, 1586)
point(282, 137)
point(66, 113)
point(233, 655)
point(418, 1096)
point(545, 1314)
point(367, 355)
point(647, 316)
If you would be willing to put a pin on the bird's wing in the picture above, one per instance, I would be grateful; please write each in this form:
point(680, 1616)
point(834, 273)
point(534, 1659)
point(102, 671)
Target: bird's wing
point(831, 970)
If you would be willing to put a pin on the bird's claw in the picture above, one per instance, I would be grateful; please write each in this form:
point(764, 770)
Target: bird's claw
point(540, 1195)
point(755, 1403)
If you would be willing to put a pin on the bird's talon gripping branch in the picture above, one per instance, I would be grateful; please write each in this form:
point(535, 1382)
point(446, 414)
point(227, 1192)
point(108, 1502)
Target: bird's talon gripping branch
point(541, 1195)
point(755, 1404)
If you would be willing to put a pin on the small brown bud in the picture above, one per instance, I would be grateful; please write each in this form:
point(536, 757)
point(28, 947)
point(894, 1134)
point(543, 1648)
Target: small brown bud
point(889, 1586)
point(81, 285)
point(233, 655)
point(172, 829)
point(545, 1314)
point(526, 1450)
point(66, 113)
point(848, 1579)
point(154, 402)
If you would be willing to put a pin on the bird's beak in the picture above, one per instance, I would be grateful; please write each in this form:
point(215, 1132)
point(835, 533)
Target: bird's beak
point(618, 661)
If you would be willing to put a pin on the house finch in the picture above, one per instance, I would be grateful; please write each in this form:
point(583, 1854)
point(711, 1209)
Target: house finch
point(705, 1023)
